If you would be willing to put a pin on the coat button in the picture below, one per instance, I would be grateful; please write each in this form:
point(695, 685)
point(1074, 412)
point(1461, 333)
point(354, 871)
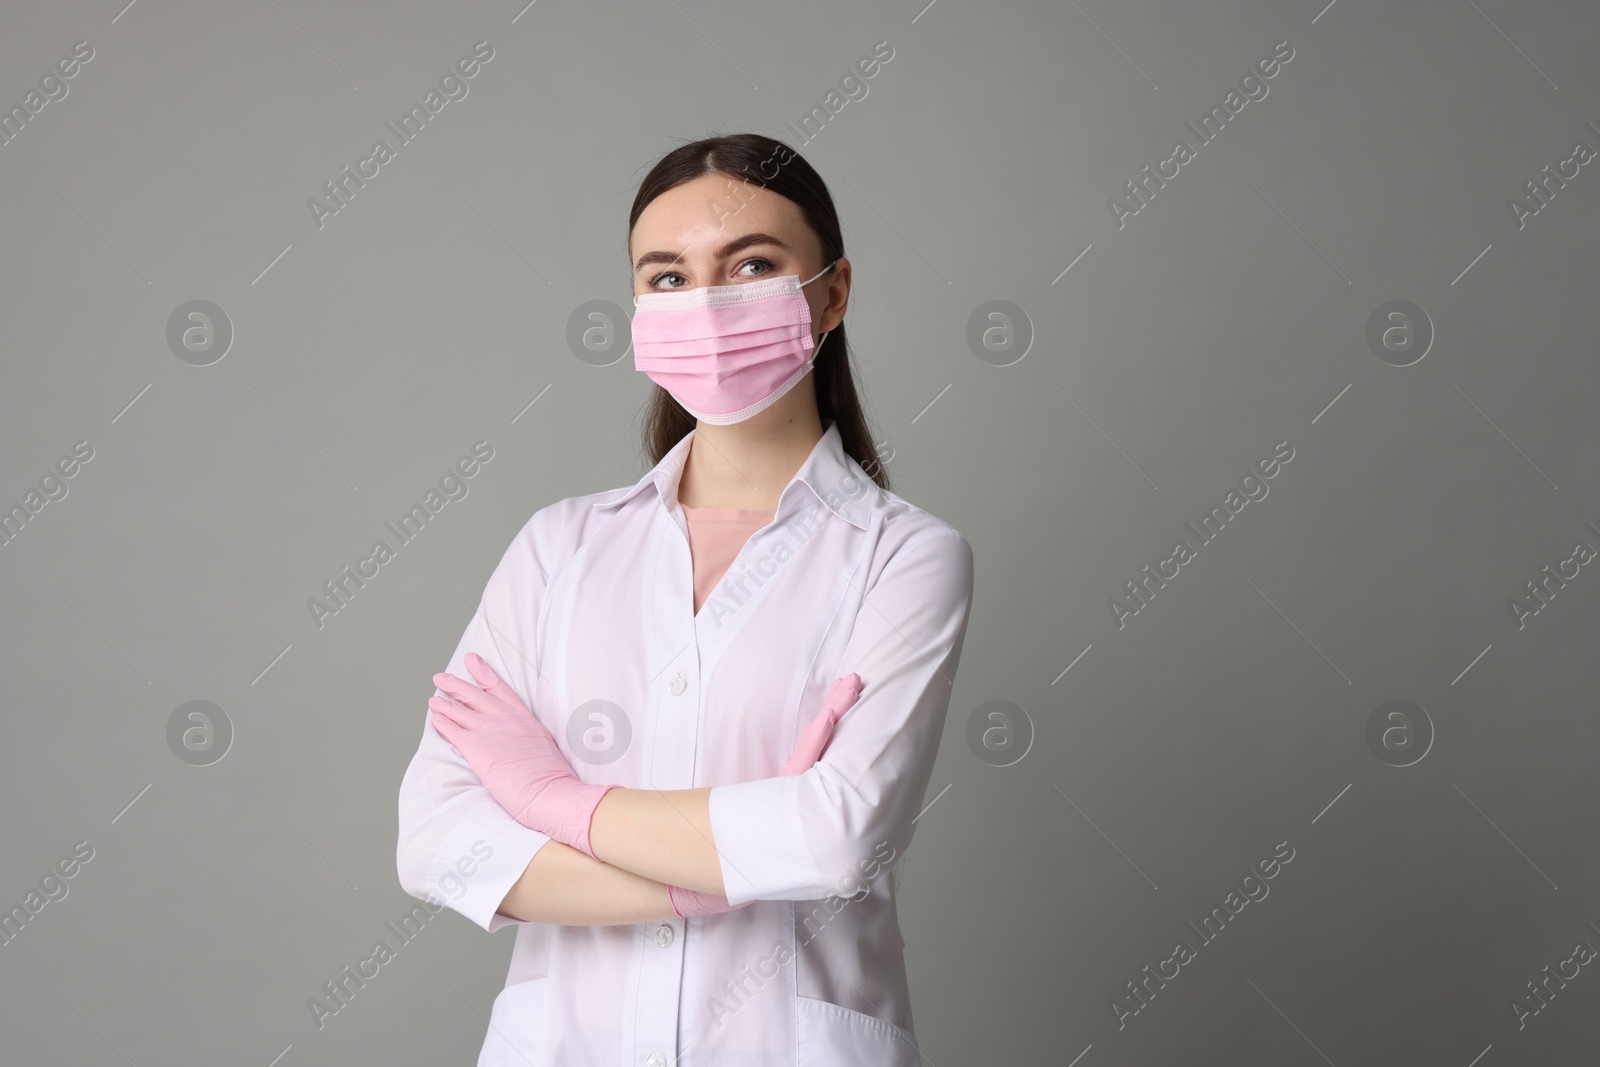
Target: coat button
point(656, 1059)
point(664, 935)
point(677, 685)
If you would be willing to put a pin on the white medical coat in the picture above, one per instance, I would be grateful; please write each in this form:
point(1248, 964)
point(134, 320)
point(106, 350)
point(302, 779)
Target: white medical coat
point(590, 617)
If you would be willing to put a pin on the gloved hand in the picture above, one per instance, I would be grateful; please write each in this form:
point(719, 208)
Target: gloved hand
point(808, 750)
point(514, 755)
point(843, 694)
point(687, 902)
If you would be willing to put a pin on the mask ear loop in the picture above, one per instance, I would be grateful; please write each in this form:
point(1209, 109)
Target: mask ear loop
point(807, 282)
point(819, 274)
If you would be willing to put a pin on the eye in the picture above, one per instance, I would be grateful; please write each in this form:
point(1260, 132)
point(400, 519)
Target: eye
point(754, 261)
point(767, 263)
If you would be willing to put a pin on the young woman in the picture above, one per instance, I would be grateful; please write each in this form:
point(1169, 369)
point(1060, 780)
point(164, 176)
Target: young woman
point(691, 831)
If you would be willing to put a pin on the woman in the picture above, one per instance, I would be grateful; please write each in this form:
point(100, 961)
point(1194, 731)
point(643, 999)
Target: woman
point(695, 886)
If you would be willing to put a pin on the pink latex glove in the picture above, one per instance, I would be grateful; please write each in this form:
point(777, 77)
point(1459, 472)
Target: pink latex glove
point(514, 755)
point(843, 694)
point(808, 750)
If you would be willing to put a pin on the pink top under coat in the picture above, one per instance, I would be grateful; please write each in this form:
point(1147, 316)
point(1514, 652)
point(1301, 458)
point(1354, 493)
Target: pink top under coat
point(715, 537)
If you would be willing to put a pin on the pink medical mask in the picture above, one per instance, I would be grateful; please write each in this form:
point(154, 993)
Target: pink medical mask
point(727, 352)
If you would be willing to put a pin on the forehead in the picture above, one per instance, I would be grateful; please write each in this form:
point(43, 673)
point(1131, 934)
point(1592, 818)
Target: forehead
point(713, 209)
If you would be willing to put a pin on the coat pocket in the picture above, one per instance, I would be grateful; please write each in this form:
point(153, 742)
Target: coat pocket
point(830, 1035)
point(518, 1023)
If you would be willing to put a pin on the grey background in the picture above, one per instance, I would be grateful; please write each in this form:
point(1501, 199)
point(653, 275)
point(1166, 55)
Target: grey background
point(1228, 315)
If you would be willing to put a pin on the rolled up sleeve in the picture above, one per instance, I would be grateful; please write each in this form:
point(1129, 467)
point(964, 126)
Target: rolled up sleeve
point(806, 836)
point(457, 846)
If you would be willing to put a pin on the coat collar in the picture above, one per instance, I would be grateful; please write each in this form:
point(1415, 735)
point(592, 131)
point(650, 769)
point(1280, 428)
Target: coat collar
point(829, 474)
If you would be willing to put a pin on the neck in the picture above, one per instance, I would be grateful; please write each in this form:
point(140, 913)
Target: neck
point(747, 465)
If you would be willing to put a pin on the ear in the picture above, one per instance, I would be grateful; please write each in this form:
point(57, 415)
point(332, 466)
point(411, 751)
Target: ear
point(838, 296)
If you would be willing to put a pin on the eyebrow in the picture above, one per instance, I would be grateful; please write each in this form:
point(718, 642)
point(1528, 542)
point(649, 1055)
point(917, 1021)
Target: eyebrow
point(735, 245)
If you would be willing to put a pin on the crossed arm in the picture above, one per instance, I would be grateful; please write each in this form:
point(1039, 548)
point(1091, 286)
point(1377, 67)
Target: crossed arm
point(610, 859)
point(644, 840)
point(613, 852)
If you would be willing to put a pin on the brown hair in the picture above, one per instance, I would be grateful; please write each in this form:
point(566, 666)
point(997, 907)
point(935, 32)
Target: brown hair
point(748, 157)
